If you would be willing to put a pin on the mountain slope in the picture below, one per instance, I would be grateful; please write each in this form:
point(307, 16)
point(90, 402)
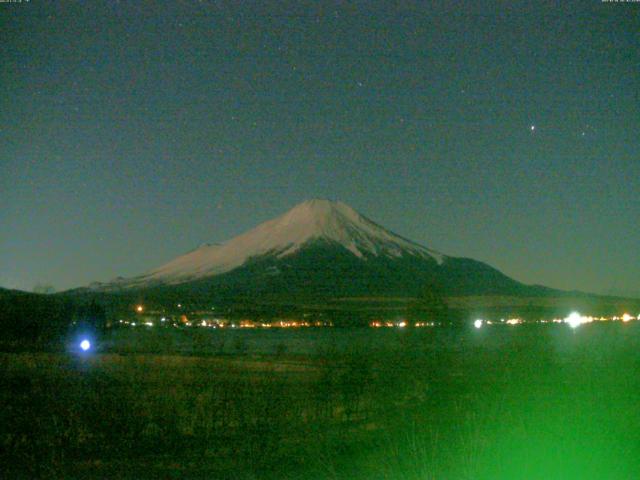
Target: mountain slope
point(321, 269)
point(314, 220)
point(321, 248)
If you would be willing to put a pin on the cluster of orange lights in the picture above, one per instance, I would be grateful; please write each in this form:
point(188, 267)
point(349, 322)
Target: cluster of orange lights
point(399, 324)
point(574, 319)
point(255, 324)
point(511, 321)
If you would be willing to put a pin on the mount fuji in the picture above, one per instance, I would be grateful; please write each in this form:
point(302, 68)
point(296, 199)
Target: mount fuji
point(325, 248)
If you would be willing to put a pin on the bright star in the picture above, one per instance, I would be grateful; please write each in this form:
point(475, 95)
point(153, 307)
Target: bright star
point(533, 128)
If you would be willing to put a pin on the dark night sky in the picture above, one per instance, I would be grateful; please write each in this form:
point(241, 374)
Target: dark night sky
point(131, 132)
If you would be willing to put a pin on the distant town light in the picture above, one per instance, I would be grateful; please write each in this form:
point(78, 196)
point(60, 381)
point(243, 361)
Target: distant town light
point(402, 324)
point(626, 317)
point(574, 320)
point(85, 345)
point(139, 309)
point(477, 323)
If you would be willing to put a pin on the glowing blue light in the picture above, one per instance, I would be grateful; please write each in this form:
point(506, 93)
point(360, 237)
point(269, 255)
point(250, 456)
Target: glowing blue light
point(85, 345)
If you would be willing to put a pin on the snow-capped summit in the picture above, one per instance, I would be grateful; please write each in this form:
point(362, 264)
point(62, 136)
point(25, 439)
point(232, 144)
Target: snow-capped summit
point(335, 223)
point(320, 249)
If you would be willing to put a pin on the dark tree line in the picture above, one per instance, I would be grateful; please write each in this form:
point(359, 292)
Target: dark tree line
point(31, 320)
point(430, 305)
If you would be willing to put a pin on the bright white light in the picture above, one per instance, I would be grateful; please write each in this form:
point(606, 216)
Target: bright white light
point(626, 317)
point(533, 128)
point(85, 345)
point(574, 320)
point(402, 324)
point(477, 323)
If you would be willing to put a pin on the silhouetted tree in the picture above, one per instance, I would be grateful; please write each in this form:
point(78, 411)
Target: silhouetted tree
point(43, 288)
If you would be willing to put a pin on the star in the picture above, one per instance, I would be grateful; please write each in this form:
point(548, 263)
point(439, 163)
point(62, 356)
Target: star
point(532, 128)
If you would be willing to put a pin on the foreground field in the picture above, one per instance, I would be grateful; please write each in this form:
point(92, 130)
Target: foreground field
point(499, 403)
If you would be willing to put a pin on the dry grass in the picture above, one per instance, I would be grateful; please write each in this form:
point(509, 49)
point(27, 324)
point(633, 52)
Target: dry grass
point(450, 407)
